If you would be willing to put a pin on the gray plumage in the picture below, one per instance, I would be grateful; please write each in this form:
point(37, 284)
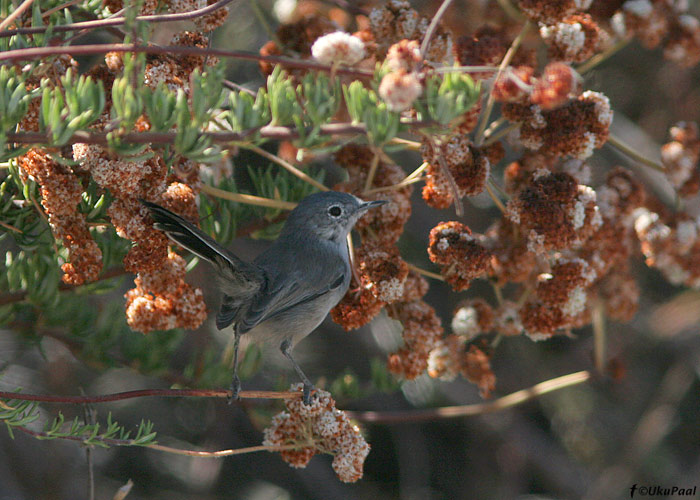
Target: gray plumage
point(288, 290)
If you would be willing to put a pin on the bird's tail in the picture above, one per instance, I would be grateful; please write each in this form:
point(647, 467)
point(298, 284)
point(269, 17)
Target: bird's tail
point(188, 236)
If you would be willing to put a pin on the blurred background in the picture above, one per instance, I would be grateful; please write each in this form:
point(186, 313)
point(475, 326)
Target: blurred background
point(590, 441)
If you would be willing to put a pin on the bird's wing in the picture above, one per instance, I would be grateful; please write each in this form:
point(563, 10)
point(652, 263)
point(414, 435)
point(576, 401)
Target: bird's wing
point(287, 292)
point(238, 279)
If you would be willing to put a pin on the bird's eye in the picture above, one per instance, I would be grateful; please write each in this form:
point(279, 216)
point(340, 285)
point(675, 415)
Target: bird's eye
point(335, 211)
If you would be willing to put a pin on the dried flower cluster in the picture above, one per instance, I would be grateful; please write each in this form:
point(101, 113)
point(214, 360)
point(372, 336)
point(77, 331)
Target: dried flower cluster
point(318, 428)
point(467, 165)
point(585, 119)
point(161, 299)
point(462, 257)
point(61, 192)
point(397, 20)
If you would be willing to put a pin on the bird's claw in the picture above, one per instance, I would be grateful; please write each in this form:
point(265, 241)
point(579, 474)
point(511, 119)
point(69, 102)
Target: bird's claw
point(235, 390)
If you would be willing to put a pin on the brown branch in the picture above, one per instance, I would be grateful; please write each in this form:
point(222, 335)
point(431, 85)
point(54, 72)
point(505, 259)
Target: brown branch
point(276, 133)
point(429, 414)
point(168, 393)
point(118, 21)
point(14, 15)
point(82, 50)
point(160, 447)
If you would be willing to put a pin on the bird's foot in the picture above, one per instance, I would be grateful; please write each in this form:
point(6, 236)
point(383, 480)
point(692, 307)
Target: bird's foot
point(235, 390)
point(306, 393)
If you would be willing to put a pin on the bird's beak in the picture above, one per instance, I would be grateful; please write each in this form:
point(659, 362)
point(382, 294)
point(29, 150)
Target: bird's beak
point(371, 204)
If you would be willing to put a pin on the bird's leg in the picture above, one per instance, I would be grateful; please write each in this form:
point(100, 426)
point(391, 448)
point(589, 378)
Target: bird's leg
point(286, 348)
point(235, 381)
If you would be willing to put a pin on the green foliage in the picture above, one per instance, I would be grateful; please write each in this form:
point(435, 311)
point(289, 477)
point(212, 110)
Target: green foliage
point(14, 98)
point(247, 112)
point(206, 95)
point(160, 107)
point(90, 435)
point(15, 413)
point(364, 106)
point(70, 108)
point(284, 105)
point(447, 97)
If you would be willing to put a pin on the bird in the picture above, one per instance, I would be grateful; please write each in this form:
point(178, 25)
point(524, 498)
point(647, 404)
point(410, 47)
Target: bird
point(288, 289)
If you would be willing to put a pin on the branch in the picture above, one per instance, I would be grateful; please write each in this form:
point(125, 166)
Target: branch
point(268, 132)
point(18, 12)
point(433, 26)
point(429, 414)
point(118, 21)
point(504, 63)
point(167, 393)
point(160, 447)
point(82, 50)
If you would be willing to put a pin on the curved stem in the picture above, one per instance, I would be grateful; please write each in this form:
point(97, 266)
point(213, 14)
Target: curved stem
point(118, 21)
point(17, 12)
point(504, 63)
point(167, 393)
point(286, 165)
point(248, 199)
point(431, 414)
point(32, 53)
point(634, 154)
point(432, 27)
point(424, 272)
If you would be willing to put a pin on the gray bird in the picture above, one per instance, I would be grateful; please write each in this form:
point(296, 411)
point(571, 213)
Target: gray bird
point(287, 291)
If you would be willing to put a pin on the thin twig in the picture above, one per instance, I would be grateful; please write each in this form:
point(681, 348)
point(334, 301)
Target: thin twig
point(394, 187)
point(247, 198)
point(429, 414)
point(118, 21)
point(599, 336)
point(493, 126)
point(496, 200)
point(10, 227)
point(618, 144)
point(457, 199)
point(285, 164)
point(372, 171)
point(142, 393)
point(432, 27)
point(413, 145)
point(32, 53)
point(466, 69)
point(14, 15)
point(417, 171)
point(160, 447)
point(234, 86)
point(424, 272)
point(226, 453)
point(511, 10)
point(504, 63)
point(268, 132)
point(603, 56)
point(497, 136)
point(46, 14)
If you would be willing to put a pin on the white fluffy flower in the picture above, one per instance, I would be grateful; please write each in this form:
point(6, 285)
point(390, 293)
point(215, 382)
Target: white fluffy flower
point(399, 89)
point(338, 47)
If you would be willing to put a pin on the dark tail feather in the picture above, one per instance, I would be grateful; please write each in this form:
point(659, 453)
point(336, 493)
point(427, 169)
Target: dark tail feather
point(187, 235)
